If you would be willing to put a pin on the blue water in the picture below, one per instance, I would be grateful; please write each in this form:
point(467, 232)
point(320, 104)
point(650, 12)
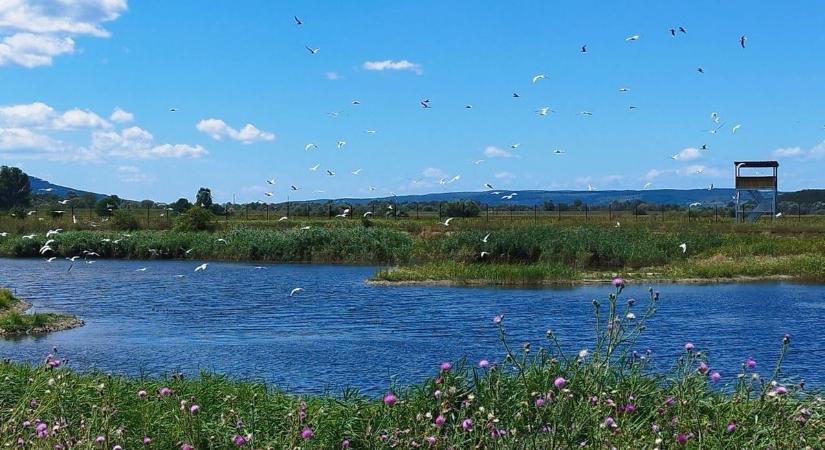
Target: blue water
point(239, 320)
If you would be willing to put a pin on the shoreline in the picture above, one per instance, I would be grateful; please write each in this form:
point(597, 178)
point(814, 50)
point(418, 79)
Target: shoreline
point(64, 322)
point(590, 281)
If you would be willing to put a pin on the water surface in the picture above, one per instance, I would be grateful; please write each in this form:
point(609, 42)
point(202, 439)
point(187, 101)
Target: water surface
point(239, 320)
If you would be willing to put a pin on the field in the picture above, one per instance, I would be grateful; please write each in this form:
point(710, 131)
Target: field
point(519, 249)
point(537, 398)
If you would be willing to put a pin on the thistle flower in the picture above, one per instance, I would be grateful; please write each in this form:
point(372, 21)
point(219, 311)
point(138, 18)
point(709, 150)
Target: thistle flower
point(431, 440)
point(731, 427)
point(390, 399)
point(440, 420)
point(446, 366)
point(165, 391)
point(41, 430)
point(467, 424)
point(539, 402)
point(100, 439)
point(307, 433)
point(345, 444)
point(194, 409)
point(147, 440)
point(497, 320)
point(715, 377)
point(141, 393)
point(681, 438)
point(187, 447)
point(483, 364)
point(703, 368)
point(750, 363)
point(559, 382)
point(689, 346)
point(239, 440)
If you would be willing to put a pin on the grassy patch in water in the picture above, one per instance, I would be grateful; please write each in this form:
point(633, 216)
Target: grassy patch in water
point(539, 398)
point(13, 321)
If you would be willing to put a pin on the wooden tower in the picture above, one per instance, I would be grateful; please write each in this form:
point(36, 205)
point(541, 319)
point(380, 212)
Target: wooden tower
point(761, 189)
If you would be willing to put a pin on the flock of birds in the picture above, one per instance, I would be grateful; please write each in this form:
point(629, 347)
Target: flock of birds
point(427, 104)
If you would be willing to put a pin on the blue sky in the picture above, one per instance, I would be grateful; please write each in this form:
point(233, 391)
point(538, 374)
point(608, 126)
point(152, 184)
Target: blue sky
point(65, 66)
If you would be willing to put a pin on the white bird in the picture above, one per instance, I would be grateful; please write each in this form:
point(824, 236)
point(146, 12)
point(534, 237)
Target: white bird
point(142, 269)
point(311, 50)
point(45, 249)
point(73, 258)
point(283, 218)
point(368, 213)
point(585, 113)
point(455, 178)
point(590, 187)
point(4, 234)
point(700, 170)
point(736, 127)
point(305, 227)
point(29, 236)
point(647, 185)
point(508, 197)
point(310, 147)
point(488, 186)
point(683, 246)
point(543, 110)
point(478, 161)
point(559, 152)
point(46, 189)
point(53, 232)
point(710, 188)
point(634, 37)
point(538, 77)
point(314, 168)
point(515, 146)
point(778, 215)
point(64, 202)
point(330, 173)
point(371, 131)
point(222, 240)
point(372, 188)
point(695, 204)
point(485, 238)
point(341, 144)
point(295, 291)
point(268, 194)
point(446, 223)
point(51, 259)
point(618, 224)
point(271, 181)
point(483, 254)
point(201, 267)
point(624, 89)
point(356, 172)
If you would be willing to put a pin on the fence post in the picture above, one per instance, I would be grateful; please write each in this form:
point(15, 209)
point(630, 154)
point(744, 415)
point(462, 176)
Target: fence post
point(147, 216)
point(535, 213)
point(558, 211)
point(585, 212)
point(610, 211)
point(266, 213)
point(488, 212)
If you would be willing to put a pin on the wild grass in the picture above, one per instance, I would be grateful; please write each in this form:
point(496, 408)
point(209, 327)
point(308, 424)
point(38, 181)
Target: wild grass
point(539, 398)
point(13, 321)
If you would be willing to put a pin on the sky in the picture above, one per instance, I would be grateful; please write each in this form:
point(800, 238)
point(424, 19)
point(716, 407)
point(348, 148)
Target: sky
point(87, 90)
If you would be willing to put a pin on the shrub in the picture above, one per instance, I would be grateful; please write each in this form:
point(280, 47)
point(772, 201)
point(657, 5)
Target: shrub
point(124, 221)
point(195, 219)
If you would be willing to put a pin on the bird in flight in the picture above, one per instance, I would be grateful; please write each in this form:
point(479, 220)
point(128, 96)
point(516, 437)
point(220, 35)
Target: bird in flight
point(356, 172)
point(647, 185)
point(483, 254)
point(476, 162)
point(538, 77)
point(515, 95)
point(736, 127)
point(683, 246)
point(683, 30)
point(700, 70)
point(425, 103)
point(201, 267)
point(295, 291)
point(484, 239)
point(559, 152)
point(515, 146)
point(632, 38)
point(312, 51)
point(446, 223)
point(330, 173)
point(173, 109)
point(695, 204)
point(584, 48)
point(543, 110)
point(673, 32)
point(271, 181)
point(624, 89)
point(742, 40)
point(314, 168)
point(297, 20)
point(488, 186)
point(310, 147)
point(341, 144)
point(710, 188)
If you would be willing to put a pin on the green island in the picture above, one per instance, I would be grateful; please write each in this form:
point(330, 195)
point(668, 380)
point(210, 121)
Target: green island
point(15, 322)
point(525, 252)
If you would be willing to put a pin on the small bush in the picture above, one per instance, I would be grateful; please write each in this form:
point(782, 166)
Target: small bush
point(124, 221)
point(195, 219)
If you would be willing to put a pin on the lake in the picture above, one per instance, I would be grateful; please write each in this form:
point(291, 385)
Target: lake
point(237, 319)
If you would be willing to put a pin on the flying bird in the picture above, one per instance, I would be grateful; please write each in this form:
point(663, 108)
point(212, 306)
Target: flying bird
point(736, 127)
point(446, 223)
point(543, 110)
point(710, 188)
point(356, 172)
point(559, 152)
point(271, 181)
point(632, 38)
point(297, 20)
point(742, 40)
point(695, 204)
point(700, 70)
point(483, 254)
point(624, 89)
point(683, 30)
point(295, 291)
point(584, 48)
point(488, 186)
point(647, 185)
point(683, 246)
point(515, 95)
point(201, 267)
point(538, 77)
point(425, 103)
point(310, 147)
point(283, 218)
point(673, 32)
point(484, 239)
point(341, 144)
point(314, 168)
point(311, 50)
point(330, 173)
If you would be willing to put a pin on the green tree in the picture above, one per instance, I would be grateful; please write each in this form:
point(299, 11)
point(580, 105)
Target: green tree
point(106, 205)
point(195, 219)
point(15, 188)
point(181, 205)
point(204, 198)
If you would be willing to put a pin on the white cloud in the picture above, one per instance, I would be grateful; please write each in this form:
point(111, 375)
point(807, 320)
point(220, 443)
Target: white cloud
point(218, 129)
point(505, 176)
point(495, 152)
point(76, 118)
point(652, 174)
point(137, 143)
point(132, 174)
point(42, 116)
point(389, 64)
point(689, 154)
point(25, 139)
point(432, 172)
point(815, 152)
point(332, 76)
point(34, 32)
point(121, 116)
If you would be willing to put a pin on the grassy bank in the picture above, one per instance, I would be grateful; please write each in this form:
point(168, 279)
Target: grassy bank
point(14, 321)
point(524, 254)
point(606, 397)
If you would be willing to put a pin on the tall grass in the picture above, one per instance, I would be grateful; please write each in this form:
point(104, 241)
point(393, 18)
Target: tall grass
point(530, 398)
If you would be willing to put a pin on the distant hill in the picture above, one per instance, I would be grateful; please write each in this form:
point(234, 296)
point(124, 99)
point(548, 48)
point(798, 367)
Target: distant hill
point(40, 185)
point(805, 196)
point(534, 197)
